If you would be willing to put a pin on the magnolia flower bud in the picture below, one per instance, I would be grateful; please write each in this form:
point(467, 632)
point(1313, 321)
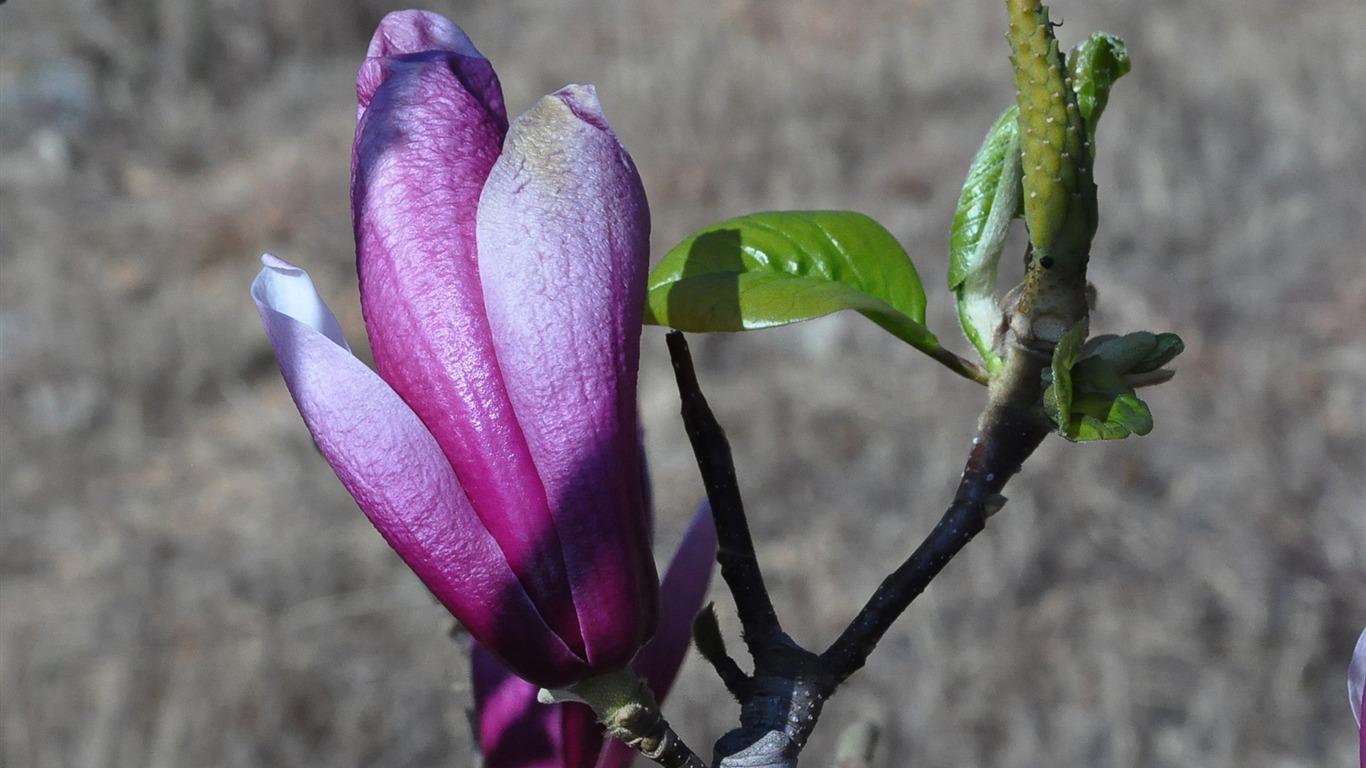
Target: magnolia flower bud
point(502, 277)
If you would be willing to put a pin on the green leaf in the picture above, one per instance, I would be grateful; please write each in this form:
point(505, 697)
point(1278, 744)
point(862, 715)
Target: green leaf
point(1139, 352)
point(1112, 417)
point(1057, 396)
point(1122, 352)
point(1165, 349)
point(1087, 397)
point(990, 200)
point(992, 195)
point(1095, 64)
point(776, 268)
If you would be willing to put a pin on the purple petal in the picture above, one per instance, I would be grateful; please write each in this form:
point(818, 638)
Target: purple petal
point(396, 472)
point(563, 232)
point(680, 597)
point(424, 147)
point(430, 37)
point(1356, 681)
point(517, 731)
point(403, 32)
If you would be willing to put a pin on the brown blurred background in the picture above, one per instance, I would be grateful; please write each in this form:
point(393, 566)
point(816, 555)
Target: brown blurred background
point(184, 583)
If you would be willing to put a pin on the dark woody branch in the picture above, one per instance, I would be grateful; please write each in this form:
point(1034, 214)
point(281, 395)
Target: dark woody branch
point(739, 564)
point(781, 701)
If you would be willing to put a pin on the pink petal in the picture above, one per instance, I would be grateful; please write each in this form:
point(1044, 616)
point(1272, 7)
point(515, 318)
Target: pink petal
point(396, 472)
point(563, 231)
point(424, 147)
point(403, 32)
point(409, 33)
point(680, 598)
point(517, 731)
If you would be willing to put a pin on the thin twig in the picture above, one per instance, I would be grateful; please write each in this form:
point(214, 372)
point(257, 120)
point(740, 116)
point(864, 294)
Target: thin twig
point(735, 553)
point(706, 633)
point(1011, 429)
point(782, 700)
point(961, 366)
point(662, 745)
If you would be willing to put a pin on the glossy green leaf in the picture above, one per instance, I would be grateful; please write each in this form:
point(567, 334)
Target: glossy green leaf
point(776, 268)
point(990, 200)
point(1095, 64)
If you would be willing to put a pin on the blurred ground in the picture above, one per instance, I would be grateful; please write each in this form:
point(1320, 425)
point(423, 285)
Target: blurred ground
point(184, 583)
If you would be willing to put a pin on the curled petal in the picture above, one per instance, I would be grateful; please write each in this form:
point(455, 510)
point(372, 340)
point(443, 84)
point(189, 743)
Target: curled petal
point(285, 289)
point(563, 233)
point(398, 475)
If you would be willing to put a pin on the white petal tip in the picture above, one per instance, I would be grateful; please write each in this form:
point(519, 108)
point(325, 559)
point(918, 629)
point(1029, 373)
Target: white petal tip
point(284, 288)
point(271, 261)
point(580, 97)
